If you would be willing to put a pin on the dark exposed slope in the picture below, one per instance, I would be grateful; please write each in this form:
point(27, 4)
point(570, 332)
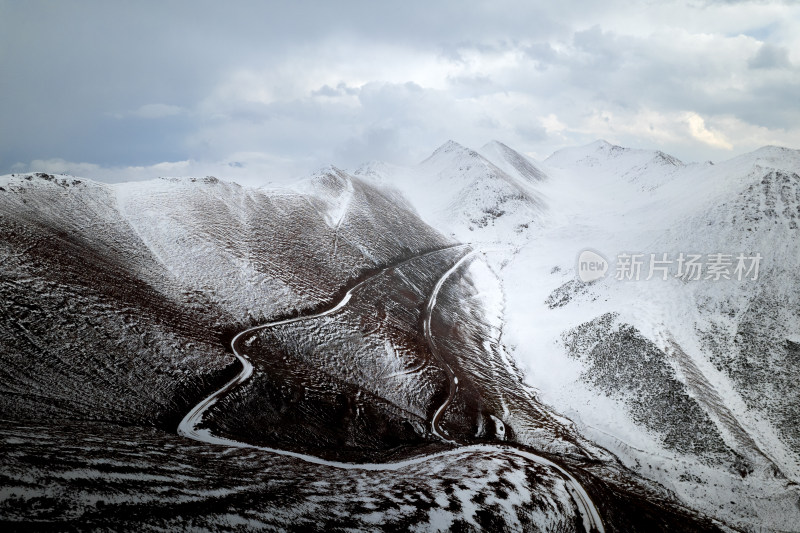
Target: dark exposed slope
point(85, 332)
point(98, 320)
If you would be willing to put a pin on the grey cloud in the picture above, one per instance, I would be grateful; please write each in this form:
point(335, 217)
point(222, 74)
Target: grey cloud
point(341, 89)
point(383, 144)
point(156, 111)
point(707, 3)
point(138, 83)
point(488, 123)
point(603, 49)
point(769, 56)
point(473, 85)
point(542, 53)
point(532, 132)
point(626, 73)
point(326, 90)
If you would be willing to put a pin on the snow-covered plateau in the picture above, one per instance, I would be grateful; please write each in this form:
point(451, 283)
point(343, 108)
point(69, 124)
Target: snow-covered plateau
point(407, 348)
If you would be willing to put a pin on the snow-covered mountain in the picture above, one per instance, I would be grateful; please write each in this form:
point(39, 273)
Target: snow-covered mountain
point(604, 161)
point(467, 195)
point(442, 333)
point(109, 287)
point(689, 381)
point(120, 311)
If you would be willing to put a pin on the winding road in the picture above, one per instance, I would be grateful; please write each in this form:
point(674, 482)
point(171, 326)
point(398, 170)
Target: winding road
point(437, 416)
point(189, 426)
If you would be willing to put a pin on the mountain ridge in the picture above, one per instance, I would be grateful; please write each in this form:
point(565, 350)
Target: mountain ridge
point(117, 301)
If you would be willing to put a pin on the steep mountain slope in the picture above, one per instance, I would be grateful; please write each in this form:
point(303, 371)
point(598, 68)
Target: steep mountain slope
point(457, 360)
point(119, 303)
point(466, 195)
point(92, 325)
point(686, 380)
point(117, 300)
point(512, 162)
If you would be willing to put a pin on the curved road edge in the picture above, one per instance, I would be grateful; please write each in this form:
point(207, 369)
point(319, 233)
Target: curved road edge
point(435, 421)
point(188, 426)
point(591, 518)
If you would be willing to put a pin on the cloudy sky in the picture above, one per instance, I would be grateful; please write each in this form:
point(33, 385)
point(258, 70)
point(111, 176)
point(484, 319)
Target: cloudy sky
point(259, 91)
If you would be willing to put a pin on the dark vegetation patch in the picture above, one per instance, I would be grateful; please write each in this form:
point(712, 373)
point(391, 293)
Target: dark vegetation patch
point(626, 366)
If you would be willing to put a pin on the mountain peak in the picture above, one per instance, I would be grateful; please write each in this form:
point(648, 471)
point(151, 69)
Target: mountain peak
point(511, 161)
point(775, 150)
point(770, 156)
point(494, 143)
point(43, 179)
point(602, 145)
point(328, 170)
point(450, 146)
point(450, 150)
